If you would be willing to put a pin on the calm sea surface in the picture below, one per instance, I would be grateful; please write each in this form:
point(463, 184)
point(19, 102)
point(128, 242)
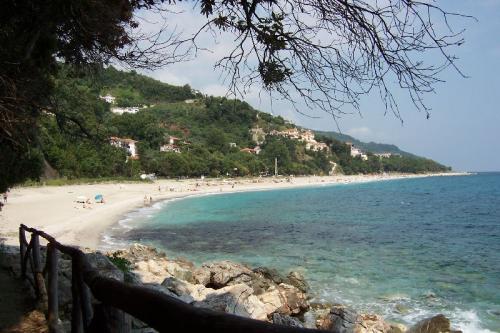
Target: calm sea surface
point(406, 249)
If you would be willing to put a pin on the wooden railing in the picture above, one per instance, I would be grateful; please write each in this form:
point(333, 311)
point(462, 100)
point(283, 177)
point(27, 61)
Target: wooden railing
point(157, 310)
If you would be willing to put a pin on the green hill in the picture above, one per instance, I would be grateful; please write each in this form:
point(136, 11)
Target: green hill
point(176, 132)
point(367, 146)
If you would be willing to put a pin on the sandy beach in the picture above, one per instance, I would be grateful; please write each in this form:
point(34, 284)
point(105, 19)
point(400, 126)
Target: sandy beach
point(54, 208)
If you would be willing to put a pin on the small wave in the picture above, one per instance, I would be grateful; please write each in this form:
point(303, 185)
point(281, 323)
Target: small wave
point(469, 322)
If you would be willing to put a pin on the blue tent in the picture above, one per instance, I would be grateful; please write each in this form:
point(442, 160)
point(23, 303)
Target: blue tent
point(98, 197)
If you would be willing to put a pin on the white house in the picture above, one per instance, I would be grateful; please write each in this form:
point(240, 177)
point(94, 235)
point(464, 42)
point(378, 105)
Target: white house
point(108, 98)
point(383, 155)
point(307, 135)
point(172, 140)
point(127, 144)
point(170, 148)
point(357, 152)
point(316, 146)
point(132, 109)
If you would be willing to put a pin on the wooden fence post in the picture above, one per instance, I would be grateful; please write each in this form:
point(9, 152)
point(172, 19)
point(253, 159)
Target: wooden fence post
point(22, 249)
point(76, 313)
point(53, 295)
point(38, 272)
point(85, 298)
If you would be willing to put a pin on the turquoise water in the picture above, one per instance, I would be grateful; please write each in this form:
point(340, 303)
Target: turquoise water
point(406, 249)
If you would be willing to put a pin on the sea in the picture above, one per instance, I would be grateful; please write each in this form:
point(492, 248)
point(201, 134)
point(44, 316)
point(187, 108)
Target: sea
point(407, 249)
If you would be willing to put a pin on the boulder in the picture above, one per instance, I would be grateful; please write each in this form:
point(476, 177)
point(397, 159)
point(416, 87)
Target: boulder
point(270, 274)
point(201, 276)
point(104, 266)
point(185, 291)
point(436, 324)
point(370, 323)
point(139, 252)
point(339, 319)
point(236, 299)
point(180, 270)
point(397, 328)
point(297, 280)
point(226, 273)
point(286, 320)
point(295, 301)
point(150, 271)
point(274, 301)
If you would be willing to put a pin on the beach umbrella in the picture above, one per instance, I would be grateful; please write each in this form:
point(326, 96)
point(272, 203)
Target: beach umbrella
point(98, 197)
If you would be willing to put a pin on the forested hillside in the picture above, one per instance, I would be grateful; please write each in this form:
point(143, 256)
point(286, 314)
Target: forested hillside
point(199, 135)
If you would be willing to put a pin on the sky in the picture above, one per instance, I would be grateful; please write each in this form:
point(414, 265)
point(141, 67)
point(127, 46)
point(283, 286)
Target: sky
point(463, 130)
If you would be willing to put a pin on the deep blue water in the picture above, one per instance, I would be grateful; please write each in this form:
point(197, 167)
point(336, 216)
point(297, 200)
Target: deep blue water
point(406, 249)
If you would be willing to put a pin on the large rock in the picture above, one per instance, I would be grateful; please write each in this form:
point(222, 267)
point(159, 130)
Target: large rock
point(370, 323)
point(202, 276)
point(341, 319)
point(286, 320)
point(151, 271)
point(295, 301)
point(185, 291)
point(270, 274)
point(104, 266)
point(436, 324)
point(139, 252)
point(226, 273)
point(156, 270)
point(236, 299)
point(297, 280)
point(180, 269)
point(274, 301)
point(397, 328)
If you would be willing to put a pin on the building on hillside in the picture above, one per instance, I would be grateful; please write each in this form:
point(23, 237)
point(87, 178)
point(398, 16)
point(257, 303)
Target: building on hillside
point(128, 144)
point(307, 135)
point(131, 109)
point(355, 152)
point(255, 150)
point(108, 98)
point(170, 148)
point(173, 140)
point(383, 155)
point(316, 146)
point(292, 133)
point(232, 144)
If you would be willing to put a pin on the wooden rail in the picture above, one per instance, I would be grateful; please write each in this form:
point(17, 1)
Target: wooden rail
point(117, 299)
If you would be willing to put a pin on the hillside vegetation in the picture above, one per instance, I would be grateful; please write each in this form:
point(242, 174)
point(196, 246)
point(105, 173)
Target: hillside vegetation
point(209, 134)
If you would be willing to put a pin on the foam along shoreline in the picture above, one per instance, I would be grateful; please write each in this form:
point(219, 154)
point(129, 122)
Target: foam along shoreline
point(54, 208)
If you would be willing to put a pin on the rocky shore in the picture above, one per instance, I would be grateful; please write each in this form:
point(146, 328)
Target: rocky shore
point(260, 293)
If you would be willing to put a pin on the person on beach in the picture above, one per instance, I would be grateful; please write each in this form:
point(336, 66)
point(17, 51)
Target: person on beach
point(1, 205)
point(5, 196)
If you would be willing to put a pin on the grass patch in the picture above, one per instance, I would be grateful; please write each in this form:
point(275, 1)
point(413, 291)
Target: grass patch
point(121, 263)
